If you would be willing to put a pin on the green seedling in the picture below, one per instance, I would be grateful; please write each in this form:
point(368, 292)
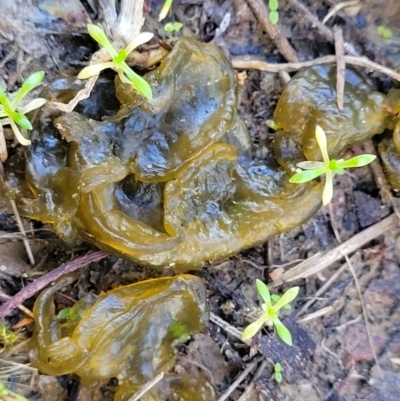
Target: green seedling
point(273, 11)
point(271, 307)
point(385, 32)
point(278, 372)
point(8, 395)
point(172, 27)
point(165, 9)
point(272, 124)
point(329, 167)
point(11, 111)
point(118, 64)
point(8, 337)
point(69, 314)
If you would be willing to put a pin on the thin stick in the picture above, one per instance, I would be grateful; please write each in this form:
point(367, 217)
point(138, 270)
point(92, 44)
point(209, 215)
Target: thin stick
point(243, 63)
point(249, 388)
point(31, 289)
point(323, 289)
point(379, 175)
point(340, 65)
point(21, 228)
point(239, 380)
point(22, 308)
point(3, 146)
point(261, 12)
point(322, 29)
point(233, 331)
point(319, 262)
point(147, 387)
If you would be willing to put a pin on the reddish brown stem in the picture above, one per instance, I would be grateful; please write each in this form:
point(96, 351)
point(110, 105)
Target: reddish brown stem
point(31, 289)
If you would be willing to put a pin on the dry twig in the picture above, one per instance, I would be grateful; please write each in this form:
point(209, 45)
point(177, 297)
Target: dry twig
point(239, 380)
point(245, 63)
point(147, 387)
point(379, 175)
point(261, 12)
point(7, 307)
point(340, 65)
point(21, 228)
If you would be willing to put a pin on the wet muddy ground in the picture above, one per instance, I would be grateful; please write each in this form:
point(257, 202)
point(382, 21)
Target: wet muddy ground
point(332, 357)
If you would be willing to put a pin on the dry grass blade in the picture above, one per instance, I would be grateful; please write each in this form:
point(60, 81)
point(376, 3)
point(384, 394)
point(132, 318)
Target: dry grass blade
point(147, 387)
point(245, 63)
point(319, 262)
point(21, 228)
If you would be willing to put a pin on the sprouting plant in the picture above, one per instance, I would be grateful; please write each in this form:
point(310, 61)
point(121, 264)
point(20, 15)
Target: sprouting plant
point(11, 111)
point(8, 395)
point(273, 11)
point(271, 307)
point(164, 11)
point(278, 372)
point(172, 27)
point(118, 64)
point(329, 167)
point(8, 337)
point(384, 31)
point(272, 124)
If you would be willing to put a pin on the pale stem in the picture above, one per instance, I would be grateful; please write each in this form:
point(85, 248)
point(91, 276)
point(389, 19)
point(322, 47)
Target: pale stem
point(328, 189)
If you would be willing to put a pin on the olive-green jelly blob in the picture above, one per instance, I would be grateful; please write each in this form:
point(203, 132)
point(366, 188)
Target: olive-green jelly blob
point(310, 98)
point(129, 333)
point(167, 182)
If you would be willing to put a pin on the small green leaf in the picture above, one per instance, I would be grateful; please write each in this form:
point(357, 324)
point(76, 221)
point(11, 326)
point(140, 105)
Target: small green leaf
point(275, 298)
point(252, 329)
point(357, 161)
point(286, 298)
point(140, 84)
point(273, 5)
point(283, 332)
point(384, 32)
point(273, 17)
point(263, 290)
point(172, 27)
point(164, 11)
point(3, 99)
point(101, 38)
point(278, 367)
point(278, 376)
point(120, 57)
point(30, 83)
point(272, 124)
point(21, 120)
point(309, 175)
